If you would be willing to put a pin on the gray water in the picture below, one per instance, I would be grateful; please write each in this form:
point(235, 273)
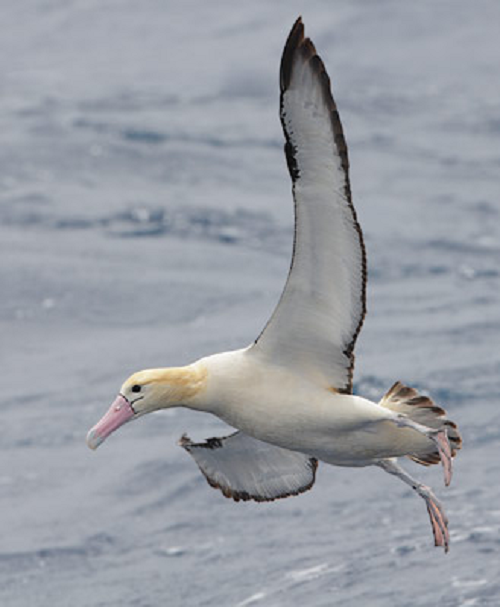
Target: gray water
point(146, 220)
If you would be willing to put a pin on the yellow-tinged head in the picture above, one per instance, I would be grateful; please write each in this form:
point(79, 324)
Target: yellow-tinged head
point(147, 391)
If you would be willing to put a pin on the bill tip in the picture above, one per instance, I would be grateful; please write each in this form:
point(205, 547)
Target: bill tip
point(94, 440)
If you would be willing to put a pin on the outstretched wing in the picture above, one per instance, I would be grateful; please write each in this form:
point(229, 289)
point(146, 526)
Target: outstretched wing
point(321, 311)
point(245, 468)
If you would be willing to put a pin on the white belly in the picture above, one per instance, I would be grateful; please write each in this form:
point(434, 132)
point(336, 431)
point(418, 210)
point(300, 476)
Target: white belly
point(273, 405)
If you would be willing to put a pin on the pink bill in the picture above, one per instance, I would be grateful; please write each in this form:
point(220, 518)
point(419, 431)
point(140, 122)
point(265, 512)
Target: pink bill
point(118, 414)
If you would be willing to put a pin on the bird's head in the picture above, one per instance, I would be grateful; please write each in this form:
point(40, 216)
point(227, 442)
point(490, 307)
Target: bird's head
point(147, 391)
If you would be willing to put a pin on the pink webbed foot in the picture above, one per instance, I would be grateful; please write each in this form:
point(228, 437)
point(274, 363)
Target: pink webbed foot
point(439, 521)
point(440, 438)
point(443, 445)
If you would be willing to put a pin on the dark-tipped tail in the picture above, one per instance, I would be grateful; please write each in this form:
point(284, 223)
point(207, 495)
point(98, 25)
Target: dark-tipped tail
point(424, 411)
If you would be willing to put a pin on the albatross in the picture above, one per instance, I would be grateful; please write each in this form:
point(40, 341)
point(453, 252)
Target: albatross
point(289, 394)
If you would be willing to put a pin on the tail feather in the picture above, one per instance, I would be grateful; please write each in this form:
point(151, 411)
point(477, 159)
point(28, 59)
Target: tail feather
point(422, 409)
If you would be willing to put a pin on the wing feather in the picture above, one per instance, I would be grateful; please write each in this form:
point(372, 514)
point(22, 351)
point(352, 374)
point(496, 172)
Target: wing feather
point(245, 468)
point(321, 310)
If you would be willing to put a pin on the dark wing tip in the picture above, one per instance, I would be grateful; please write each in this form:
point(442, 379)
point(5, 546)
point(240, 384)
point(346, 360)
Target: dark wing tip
point(297, 43)
point(294, 40)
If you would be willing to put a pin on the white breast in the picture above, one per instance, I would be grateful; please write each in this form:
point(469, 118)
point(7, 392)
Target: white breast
point(276, 405)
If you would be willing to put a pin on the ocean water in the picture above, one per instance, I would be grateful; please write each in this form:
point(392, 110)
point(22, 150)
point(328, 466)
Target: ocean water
point(146, 220)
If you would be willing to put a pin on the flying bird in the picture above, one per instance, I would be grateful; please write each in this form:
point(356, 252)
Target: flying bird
point(289, 394)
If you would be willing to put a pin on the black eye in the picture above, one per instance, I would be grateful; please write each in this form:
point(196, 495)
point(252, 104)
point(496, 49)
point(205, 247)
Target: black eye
point(136, 388)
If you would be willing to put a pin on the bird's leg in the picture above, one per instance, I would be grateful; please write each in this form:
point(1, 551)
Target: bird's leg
point(440, 438)
point(438, 518)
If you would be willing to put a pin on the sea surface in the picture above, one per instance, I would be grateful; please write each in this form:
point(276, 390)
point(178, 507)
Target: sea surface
point(146, 220)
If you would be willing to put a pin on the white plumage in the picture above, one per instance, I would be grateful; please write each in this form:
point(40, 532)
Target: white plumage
point(290, 393)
